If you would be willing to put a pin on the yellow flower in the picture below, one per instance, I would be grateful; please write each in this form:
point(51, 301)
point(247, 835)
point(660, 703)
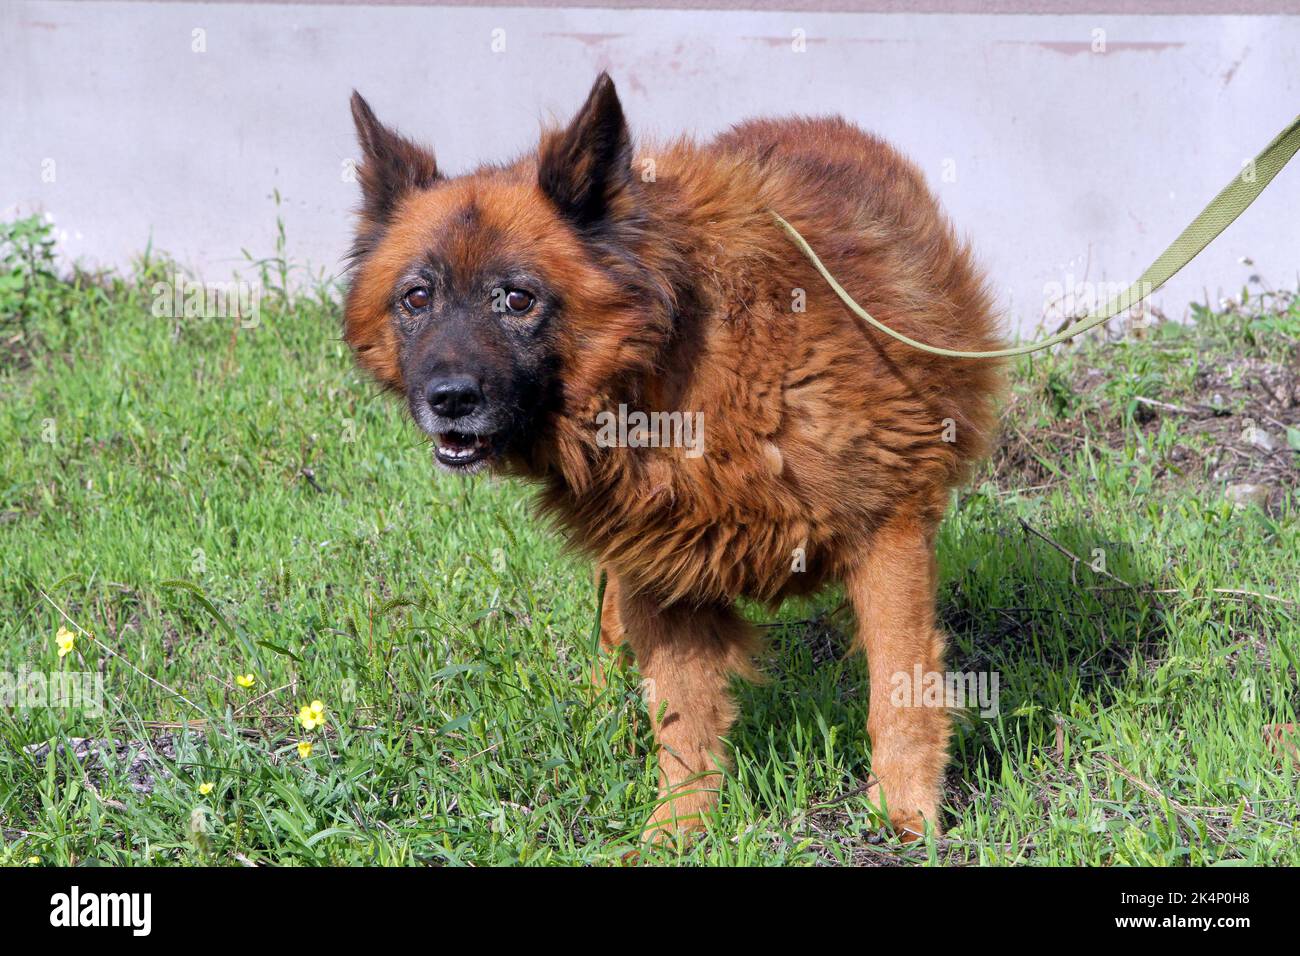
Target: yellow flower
point(33, 860)
point(312, 715)
point(205, 788)
point(245, 680)
point(304, 749)
point(66, 641)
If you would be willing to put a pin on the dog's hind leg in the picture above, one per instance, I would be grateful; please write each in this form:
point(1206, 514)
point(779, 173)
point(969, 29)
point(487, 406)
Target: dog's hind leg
point(893, 592)
point(687, 656)
point(613, 638)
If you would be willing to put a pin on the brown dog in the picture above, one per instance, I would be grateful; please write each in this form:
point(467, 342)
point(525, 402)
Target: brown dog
point(522, 310)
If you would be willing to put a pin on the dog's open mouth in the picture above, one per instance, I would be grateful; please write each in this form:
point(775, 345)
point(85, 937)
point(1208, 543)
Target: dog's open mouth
point(460, 450)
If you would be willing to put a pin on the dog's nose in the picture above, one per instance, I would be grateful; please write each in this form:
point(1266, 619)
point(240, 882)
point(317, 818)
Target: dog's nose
point(454, 397)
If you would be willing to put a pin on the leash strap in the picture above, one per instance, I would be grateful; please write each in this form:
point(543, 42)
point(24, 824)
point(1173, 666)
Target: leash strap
point(1230, 203)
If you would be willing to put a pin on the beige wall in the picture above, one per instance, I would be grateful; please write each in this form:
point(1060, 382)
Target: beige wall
point(1060, 162)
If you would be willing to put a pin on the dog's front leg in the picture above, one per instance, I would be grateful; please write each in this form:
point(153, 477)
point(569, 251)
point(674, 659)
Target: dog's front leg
point(893, 593)
point(687, 656)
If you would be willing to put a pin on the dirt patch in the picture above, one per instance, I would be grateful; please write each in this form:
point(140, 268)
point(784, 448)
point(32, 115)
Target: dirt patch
point(141, 763)
point(1238, 425)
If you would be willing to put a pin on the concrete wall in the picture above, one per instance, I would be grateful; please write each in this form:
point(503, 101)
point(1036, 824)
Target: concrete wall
point(1061, 162)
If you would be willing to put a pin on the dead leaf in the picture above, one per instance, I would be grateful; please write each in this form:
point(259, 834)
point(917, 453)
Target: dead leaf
point(1283, 740)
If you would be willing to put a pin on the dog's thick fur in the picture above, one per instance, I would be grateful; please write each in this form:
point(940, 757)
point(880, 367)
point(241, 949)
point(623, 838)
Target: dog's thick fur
point(660, 282)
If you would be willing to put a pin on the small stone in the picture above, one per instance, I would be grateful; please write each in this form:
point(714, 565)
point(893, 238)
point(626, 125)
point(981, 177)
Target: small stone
point(1245, 494)
point(1260, 439)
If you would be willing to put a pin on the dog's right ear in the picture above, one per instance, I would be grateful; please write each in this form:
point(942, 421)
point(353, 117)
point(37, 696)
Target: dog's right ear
point(392, 165)
point(586, 169)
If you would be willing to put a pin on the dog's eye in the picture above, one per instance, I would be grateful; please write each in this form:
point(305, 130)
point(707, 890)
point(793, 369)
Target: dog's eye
point(416, 299)
point(518, 301)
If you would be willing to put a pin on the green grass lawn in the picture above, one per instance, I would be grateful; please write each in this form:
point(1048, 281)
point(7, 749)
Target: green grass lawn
point(210, 501)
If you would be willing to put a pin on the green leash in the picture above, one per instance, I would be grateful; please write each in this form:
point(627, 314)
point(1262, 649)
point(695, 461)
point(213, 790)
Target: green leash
point(1214, 218)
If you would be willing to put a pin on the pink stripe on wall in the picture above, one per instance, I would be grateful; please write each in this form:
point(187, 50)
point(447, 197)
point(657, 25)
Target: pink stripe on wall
point(992, 7)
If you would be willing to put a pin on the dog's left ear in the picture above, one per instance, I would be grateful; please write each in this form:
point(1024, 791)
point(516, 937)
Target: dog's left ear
point(586, 169)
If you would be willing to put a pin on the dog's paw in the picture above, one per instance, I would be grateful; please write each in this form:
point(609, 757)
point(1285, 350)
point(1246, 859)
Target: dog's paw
point(681, 814)
point(910, 827)
point(909, 820)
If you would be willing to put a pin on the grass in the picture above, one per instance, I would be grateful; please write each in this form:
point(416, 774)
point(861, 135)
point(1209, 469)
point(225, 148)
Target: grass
point(209, 500)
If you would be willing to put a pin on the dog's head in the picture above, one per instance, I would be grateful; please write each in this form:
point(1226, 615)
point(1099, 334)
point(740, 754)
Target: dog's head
point(495, 300)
